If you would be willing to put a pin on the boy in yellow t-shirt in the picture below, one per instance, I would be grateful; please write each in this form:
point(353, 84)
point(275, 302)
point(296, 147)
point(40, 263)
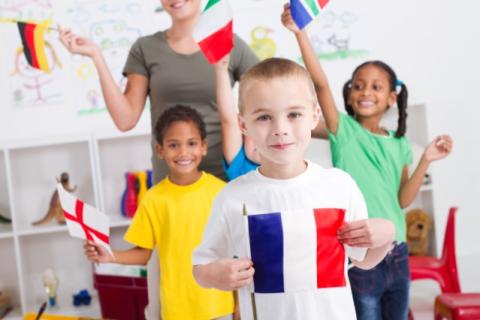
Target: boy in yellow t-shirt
point(172, 216)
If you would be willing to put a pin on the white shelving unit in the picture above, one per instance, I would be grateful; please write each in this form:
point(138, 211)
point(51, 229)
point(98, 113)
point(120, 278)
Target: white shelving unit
point(131, 152)
point(28, 171)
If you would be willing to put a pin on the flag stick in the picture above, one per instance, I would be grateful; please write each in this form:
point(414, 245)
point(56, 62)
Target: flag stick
point(252, 294)
point(8, 20)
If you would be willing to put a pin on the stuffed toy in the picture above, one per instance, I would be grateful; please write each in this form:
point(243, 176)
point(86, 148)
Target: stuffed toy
point(418, 228)
point(55, 209)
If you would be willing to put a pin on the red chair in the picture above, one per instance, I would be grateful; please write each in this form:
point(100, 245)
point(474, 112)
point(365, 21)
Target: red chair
point(443, 270)
point(457, 306)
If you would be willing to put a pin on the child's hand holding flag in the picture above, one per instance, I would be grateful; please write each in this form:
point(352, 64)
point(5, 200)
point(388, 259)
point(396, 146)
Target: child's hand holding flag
point(214, 31)
point(287, 19)
point(97, 253)
point(304, 11)
point(86, 222)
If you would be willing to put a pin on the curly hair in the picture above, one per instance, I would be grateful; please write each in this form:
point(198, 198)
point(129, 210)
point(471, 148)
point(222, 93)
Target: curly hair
point(402, 97)
point(178, 113)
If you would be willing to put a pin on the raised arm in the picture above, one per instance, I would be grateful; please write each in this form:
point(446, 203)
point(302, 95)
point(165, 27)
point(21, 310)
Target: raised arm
point(438, 149)
point(320, 131)
point(125, 108)
point(322, 88)
point(231, 135)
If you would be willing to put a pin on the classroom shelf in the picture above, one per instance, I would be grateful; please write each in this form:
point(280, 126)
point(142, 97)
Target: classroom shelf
point(93, 310)
point(5, 232)
point(28, 178)
point(5, 228)
point(15, 314)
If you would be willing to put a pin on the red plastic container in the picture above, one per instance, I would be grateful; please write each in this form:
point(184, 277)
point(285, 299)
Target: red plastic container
point(122, 297)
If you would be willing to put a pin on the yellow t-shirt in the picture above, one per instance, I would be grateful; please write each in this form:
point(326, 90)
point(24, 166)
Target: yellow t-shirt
point(173, 218)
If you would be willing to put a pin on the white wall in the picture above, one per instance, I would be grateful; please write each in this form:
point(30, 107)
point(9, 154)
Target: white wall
point(450, 86)
point(432, 45)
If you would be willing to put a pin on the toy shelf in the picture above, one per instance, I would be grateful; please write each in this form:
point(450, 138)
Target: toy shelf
point(15, 314)
point(5, 228)
point(116, 156)
point(28, 171)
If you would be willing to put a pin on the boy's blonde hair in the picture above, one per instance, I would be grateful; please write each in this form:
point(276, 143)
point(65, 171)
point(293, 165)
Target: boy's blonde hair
point(273, 68)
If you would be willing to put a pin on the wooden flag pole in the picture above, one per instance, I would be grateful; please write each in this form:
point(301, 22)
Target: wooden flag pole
point(9, 20)
point(252, 294)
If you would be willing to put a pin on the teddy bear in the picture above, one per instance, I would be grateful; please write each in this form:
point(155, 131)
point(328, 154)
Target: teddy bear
point(418, 227)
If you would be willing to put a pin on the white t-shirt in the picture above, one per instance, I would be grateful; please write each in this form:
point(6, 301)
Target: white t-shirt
point(290, 234)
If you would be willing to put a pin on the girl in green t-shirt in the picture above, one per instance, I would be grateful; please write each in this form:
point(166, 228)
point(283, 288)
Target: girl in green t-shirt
point(378, 161)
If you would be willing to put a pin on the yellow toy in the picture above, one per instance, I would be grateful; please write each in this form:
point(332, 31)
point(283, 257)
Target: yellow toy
point(142, 184)
point(263, 46)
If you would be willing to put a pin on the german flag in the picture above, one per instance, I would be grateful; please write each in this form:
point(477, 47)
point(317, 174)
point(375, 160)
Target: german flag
point(34, 44)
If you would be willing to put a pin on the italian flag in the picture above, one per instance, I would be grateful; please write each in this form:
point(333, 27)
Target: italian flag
point(214, 31)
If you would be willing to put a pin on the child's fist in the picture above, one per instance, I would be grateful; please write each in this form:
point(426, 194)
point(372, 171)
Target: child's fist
point(97, 253)
point(367, 233)
point(439, 148)
point(223, 63)
point(287, 19)
point(231, 274)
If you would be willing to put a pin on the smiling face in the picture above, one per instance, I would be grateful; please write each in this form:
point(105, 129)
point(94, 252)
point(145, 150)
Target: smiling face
point(182, 149)
point(278, 116)
point(370, 93)
point(181, 9)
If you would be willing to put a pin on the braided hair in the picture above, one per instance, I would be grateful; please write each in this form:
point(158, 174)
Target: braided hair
point(402, 95)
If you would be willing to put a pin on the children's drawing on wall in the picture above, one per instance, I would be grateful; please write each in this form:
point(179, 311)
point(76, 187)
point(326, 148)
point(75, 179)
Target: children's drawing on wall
point(32, 87)
point(94, 98)
point(262, 32)
point(333, 35)
point(26, 10)
point(249, 4)
point(114, 27)
point(34, 65)
point(159, 9)
point(261, 43)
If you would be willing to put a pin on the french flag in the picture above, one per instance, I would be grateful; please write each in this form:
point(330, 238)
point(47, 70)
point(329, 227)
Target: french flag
point(304, 11)
point(292, 251)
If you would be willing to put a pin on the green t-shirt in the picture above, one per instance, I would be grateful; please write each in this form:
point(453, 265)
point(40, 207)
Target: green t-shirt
point(376, 163)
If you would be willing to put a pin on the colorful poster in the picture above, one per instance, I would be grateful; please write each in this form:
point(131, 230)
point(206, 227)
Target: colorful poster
point(30, 87)
point(114, 27)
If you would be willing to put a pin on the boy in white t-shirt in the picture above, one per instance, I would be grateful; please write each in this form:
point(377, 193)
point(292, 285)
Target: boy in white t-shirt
point(292, 223)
